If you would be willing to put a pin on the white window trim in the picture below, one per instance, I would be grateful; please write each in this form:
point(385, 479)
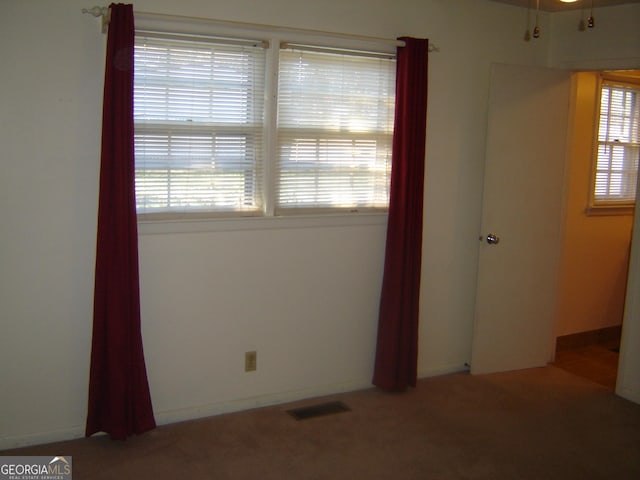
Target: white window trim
point(234, 224)
point(273, 36)
point(607, 208)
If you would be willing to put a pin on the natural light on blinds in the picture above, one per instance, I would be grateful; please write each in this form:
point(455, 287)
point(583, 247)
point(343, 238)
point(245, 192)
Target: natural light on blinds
point(199, 125)
point(335, 126)
point(618, 144)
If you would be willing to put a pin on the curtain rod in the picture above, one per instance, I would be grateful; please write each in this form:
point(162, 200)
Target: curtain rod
point(104, 14)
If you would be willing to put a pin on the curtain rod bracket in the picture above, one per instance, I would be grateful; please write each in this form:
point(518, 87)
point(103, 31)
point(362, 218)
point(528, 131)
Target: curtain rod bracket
point(103, 12)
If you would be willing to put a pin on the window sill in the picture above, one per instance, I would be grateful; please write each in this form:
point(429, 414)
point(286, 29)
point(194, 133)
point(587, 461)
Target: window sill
point(609, 210)
point(155, 227)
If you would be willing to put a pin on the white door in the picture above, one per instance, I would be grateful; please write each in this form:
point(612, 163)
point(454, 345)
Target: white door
point(522, 207)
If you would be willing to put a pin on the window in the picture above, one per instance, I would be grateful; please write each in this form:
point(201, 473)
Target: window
point(618, 146)
point(198, 113)
point(335, 125)
point(208, 144)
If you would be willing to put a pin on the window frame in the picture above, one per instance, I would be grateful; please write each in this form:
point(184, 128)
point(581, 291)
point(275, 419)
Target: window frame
point(274, 37)
point(323, 138)
point(600, 206)
point(169, 129)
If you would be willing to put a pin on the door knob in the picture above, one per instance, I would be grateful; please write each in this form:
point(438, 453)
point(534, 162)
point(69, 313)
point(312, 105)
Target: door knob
point(493, 239)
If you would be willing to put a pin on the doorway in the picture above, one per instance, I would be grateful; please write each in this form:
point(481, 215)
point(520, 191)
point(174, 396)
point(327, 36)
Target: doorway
point(511, 331)
point(595, 255)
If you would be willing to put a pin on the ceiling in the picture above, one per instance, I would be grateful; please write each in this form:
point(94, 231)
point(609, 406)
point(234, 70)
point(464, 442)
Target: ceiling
point(558, 6)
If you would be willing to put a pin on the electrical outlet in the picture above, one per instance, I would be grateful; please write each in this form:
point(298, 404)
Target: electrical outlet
point(250, 361)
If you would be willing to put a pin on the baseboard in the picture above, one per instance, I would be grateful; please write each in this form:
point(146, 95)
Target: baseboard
point(442, 370)
point(249, 403)
point(192, 413)
point(279, 398)
point(41, 438)
point(184, 414)
point(592, 337)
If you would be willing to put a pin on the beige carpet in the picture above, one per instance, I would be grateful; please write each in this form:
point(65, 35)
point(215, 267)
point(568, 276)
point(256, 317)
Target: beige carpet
point(537, 424)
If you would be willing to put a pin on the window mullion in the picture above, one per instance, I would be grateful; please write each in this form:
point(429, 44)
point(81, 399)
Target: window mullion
point(270, 127)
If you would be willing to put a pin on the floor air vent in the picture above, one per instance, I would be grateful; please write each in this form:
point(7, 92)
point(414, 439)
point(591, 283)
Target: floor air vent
point(318, 410)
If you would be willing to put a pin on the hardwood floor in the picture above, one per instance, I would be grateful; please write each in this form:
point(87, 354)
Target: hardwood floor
point(597, 362)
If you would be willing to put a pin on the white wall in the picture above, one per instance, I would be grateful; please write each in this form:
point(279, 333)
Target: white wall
point(614, 43)
point(303, 294)
point(50, 116)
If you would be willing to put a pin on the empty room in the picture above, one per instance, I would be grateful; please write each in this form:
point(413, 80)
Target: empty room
point(319, 239)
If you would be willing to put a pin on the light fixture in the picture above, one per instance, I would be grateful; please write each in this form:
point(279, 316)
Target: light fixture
point(582, 25)
point(591, 21)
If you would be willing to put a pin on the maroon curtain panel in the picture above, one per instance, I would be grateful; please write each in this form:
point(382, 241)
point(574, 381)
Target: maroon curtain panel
point(397, 344)
point(119, 398)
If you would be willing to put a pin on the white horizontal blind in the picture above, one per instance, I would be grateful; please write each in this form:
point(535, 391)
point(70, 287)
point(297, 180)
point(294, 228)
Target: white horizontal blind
point(198, 112)
point(618, 148)
point(335, 127)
